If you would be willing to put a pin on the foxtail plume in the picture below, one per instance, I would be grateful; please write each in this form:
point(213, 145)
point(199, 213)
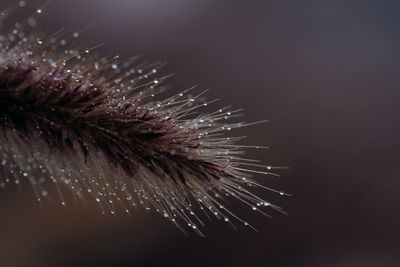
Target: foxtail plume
point(93, 128)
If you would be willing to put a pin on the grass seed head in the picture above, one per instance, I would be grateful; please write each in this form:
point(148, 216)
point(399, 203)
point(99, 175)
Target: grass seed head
point(94, 129)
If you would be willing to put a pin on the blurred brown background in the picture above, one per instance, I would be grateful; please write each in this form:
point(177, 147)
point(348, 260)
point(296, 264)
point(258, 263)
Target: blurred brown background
point(326, 75)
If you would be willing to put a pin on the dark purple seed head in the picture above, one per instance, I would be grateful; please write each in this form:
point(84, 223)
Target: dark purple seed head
point(92, 128)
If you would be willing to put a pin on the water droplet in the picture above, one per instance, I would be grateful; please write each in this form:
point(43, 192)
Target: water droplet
point(32, 22)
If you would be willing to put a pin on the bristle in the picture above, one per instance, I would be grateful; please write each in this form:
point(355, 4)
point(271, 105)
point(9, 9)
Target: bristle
point(93, 128)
